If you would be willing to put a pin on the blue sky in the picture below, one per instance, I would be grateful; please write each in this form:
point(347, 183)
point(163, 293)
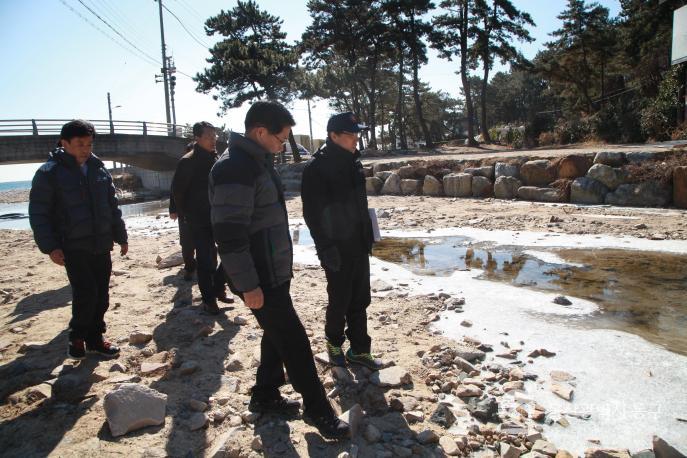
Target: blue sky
point(57, 65)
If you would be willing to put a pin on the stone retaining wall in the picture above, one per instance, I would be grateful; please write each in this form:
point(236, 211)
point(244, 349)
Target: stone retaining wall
point(639, 179)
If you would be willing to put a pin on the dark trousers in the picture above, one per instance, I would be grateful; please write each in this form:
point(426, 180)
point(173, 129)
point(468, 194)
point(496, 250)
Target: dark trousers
point(206, 260)
point(285, 345)
point(187, 246)
point(349, 296)
point(89, 277)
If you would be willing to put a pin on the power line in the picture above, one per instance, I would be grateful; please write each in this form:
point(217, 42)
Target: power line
point(204, 45)
point(191, 10)
point(148, 60)
point(115, 30)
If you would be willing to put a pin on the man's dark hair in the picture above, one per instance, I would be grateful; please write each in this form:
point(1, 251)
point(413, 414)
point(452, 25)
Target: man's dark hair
point(77, 128)
point(271, 115)
point(199, 128)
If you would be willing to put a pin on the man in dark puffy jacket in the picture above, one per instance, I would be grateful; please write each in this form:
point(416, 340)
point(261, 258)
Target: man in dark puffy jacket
point(75, 219)
point(335, 210)
point(250, 224)
point(188, 250)
point(190, 193)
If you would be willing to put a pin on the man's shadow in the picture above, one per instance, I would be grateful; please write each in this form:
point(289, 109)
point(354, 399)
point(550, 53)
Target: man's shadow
point(34, 304)
point(55, 416)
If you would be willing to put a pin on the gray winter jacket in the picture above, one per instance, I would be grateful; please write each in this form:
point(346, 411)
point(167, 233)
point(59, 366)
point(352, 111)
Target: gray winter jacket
point(249, 219)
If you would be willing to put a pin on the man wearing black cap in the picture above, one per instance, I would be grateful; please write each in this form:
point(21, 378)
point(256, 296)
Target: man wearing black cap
point(335, 210)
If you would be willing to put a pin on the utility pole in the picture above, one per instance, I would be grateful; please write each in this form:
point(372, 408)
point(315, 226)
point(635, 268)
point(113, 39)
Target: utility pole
point(172, 83)
point(165, 76)
point(312, 140)
point(109, 110)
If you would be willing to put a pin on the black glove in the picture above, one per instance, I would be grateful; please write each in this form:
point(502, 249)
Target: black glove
point(331, 259)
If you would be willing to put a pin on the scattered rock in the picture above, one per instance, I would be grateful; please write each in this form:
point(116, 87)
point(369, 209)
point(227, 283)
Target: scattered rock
point(509, 451)
point(240, 320)
point(228, 445)
point(468, 391)
point(380, 286)
point(448, 444)
point(545, 448)
point(234, 364)
point(140, 338)
point(197, 421)
point(131, 406)
point(607, 453)
point(198, 406)
point(188, 367)
point(391, 376)
point(372, 434)
point(152, 368)
point(466, 323)
point(427, 436)
point(354, 417)
point(562, 391)
point(443, 416)
point(562, 300)
point(256, 444)
point(561, 376)
point(664, 450)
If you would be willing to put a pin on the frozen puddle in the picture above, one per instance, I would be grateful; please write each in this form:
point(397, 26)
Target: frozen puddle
point(629, 388)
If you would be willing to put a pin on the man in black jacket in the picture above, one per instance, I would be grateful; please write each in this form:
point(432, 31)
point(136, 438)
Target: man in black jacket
point(251, 228)
point(190, 193)
point(188, 250)
point(75, 219)
point(336, 212)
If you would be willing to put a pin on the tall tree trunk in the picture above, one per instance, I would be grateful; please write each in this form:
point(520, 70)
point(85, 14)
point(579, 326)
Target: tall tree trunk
point(294, 148)
point(485, 84)
point(416, 85)
point(400, 128)
point(464, 72)
point(381, 120)
point(372, 96)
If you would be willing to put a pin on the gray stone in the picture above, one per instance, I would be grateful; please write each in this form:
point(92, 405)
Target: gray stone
point(354, 417)
point(372, 434)
point(509, 451)
point(485, 171)
point(537, 173)
point(131, 406)
point(539, 194)
point(427, 436)
point(611, 158)
point(407, 171)
point(647, 453)
point(432, 186)
point(482, 187)
point(383, 175)
point(562, 391)
point(443, 416)
point(411, 187)
point(448, 444)
point(391, 376)
point(664, 450)
point(506, 187)
point(636, 157)
point(501, 169)
point(470, 354)
point(256, 444)
point(140, 338)
point(228, 445)
point(561, 300)
point(483, 410)
point(153, 368)
point(458, 185)
point(234, 364)
point(545, 448)
point(197, 421)
point(587, 191)
point(646, 194)
point(196, 405)
point(188, 367)
point(607, 453)
point(373, 185)
point(608, 176)
point(392, 185)
point(229, 384)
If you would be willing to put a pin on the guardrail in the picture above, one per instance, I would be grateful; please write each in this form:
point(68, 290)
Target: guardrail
point(37, 127)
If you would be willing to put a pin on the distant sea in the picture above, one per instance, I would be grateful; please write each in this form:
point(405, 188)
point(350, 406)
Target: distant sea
point(10, 185)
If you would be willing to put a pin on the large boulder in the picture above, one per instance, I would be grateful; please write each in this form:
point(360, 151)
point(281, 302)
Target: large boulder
point(536, 194)
point(663, 449)
point(501, 169)
point(485, 171)
point(610, 158)
point(384, 167)
point(411, 187)
point(407, 171)
point(610, 177)
point(680, 187)
point(585, 190)
point(458, 185)
point(383, 175)
point(432, 186)
point(368, 171)
point(373, 185)
point(645, 194)
point(132, 406)
point(506, 187)
point(574, 166)
point(392, 185)
point(537, 173)
point(636, 157)
point(482, 187)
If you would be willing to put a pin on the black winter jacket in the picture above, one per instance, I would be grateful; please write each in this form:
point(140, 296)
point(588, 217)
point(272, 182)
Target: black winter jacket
point(249, 218)
point(190, 185)
point(70, 211)
point(335, 201)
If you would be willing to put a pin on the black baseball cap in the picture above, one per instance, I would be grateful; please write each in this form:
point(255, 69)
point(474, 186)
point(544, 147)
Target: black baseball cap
point(345, 122)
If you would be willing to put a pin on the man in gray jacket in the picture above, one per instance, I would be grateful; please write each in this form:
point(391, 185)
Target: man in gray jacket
point(250, 224)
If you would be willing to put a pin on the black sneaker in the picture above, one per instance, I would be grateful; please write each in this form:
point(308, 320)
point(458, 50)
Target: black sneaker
point(103, 348)
point(276, 405)
point(329, 425)
point(336, 356)
point(77, 349)
point(222, 297)
point(364, 359)
point(210, 308)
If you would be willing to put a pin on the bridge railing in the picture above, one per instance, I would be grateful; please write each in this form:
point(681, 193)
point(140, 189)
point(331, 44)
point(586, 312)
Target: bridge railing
point(102, 126)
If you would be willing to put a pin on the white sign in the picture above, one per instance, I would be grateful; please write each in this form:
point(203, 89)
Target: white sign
point(679, 53)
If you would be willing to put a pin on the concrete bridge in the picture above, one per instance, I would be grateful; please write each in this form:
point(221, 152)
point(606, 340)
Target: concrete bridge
point(152, 146)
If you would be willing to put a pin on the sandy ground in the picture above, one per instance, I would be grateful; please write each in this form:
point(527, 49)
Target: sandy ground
point(34, 312)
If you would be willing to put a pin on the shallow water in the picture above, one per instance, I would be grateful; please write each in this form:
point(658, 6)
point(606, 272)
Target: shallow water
point(644, 293)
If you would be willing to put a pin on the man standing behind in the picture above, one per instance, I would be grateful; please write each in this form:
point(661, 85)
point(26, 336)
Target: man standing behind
point(190, 193)
point(251, 227)
point(75, 219)
point(188, 251)
point(335, 210)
